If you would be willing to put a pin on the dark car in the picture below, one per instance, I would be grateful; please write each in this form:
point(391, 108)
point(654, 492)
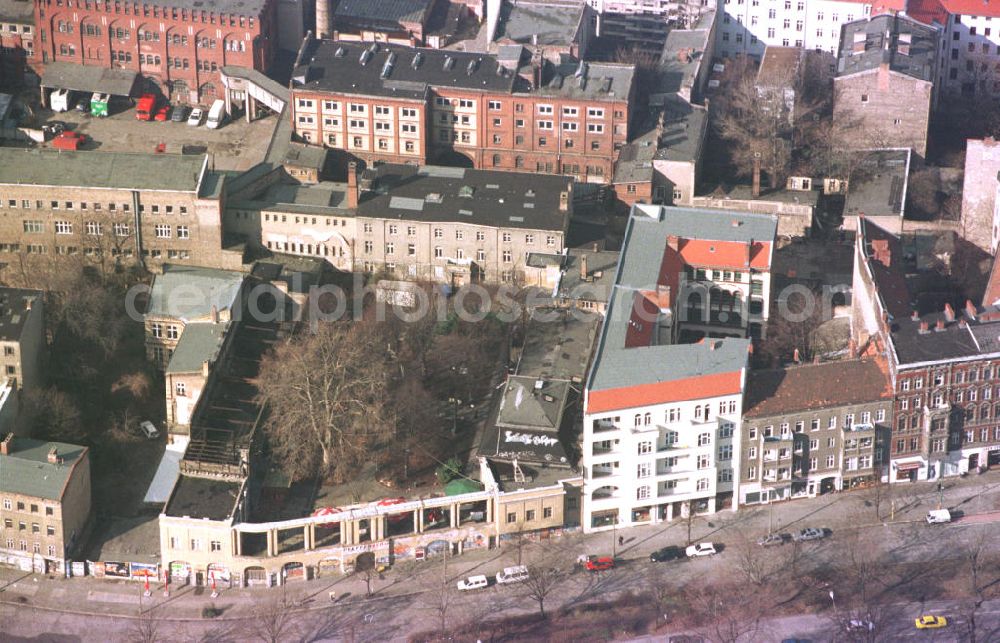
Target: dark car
point(180, 114)
point(83, 105)
point(666, 554)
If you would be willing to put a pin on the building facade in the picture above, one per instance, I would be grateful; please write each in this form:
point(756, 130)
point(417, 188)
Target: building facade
point(135, 208)
point(22, 338)
point(885, 87)
point(45, 496)
point(17, 40)
point(178, 48)
point(812, 429)
point(402, 105)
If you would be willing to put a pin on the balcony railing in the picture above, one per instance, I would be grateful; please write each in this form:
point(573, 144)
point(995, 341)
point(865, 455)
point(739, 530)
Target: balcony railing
point(602, 426)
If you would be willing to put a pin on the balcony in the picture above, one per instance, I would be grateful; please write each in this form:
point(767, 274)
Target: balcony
point(603, 472)
point(605, 493)
point(601, 426)
point(602, 450)
point(859, 427)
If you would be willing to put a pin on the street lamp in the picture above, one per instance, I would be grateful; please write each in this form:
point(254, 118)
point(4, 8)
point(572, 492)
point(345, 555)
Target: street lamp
point(833, 600)
point(940, 488)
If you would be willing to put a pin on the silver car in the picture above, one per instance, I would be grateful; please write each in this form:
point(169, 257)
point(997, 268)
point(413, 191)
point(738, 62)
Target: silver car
point(810, 533)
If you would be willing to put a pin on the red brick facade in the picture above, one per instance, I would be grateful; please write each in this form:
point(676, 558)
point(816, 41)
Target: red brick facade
point(178, 51)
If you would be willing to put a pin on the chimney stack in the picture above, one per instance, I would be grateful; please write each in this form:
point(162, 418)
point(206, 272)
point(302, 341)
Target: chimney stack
point(915, 316)
point(883, 77)
point(970, 309)
point(215, 314)
point(8, 442)
point(205, 368)
point(939, 326)
point(673, 242)
point(563, 201)
point(352, 185)
point(924, 328)
point(756, 176)
point(796, 357)
point(583, 267)
point(53, 456)
point(949, 313)
point(748, 251)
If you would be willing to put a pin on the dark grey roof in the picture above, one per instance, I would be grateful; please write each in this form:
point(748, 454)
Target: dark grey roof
point(203, 498)
point(14, 311)
point(475, 197)
point(311, 156)
point(878, 187)
point(257, 78)
point(867, 43)
point(676, 71)
point(26, 469)
point(601, 268)
point(542, 24)
point(528, 403)
point(87, 78)
point(200, 342)
point(679, 137)
point(112, 170)
point(586, 81)
point(557, 344)
point(21, 12)
point(956, 341)
point(325, 70)
point(395, 11)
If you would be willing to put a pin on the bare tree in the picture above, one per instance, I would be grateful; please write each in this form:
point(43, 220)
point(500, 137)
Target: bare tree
point(975, 554)
point(145, 627)
point(724, 613)
point(273, 620)
point(327, 395)
point(544, 579)
point(52, 415)
point(754, 562)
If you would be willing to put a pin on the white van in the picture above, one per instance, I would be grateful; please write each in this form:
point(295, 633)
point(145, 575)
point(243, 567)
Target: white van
point(938, 516)
point(59, 100)
point(216, 115)
point(512, 574)
point(473, 582)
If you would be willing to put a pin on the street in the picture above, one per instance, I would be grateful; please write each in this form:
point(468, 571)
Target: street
point(419, 596)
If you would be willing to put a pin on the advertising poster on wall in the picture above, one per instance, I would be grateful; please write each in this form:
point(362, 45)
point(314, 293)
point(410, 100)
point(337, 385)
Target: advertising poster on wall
point(115, 569)
point(141, 571)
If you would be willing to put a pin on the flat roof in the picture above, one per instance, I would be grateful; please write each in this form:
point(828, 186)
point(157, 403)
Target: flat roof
point(272, 87)
point(88, 78)
point(816, 386)
point(311, 156)
point(878, 186)
point(190, 292)
point(601, 268)
point(473, 197)
point(26, 470)
point(203, 498)
point(335, 66)
point(21, 12)
point(14, 311)
point(779, 67)
point(539, 23)
point(557, 344)
point(907, 46)
point(682, 56)
point(107, 170)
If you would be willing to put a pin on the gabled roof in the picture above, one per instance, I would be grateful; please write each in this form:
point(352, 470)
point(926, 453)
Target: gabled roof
point(816, 386)
point(905, 45)
point(394, 11)
point(15, 308)
point(200, 342)
point(27, 471)
point(532, 404)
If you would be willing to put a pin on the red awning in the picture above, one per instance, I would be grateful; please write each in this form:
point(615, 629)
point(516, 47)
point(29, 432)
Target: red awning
point(910, 466)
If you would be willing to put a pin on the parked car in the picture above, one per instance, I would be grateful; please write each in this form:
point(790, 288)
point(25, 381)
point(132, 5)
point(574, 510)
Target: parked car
point(701, 549)
point(931, 622)
point(54, 128)
point(473, 582)
point(857, 625)
point(69, 140)
point(145, 107)
point(194, 120)
point(771, 540)
point(149, 430)
point(514, 574)
point(83, 105)
point(666, 554)
point(938, 516)
point(600, 564)
point(180, 114)
point(162, 114)
point(809, 533)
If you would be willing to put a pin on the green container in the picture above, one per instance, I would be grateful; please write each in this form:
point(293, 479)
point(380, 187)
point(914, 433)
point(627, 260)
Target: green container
point(99, 104)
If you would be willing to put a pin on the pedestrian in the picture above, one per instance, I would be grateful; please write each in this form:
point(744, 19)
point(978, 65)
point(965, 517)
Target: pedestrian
point(621, 540)
point(333, 596)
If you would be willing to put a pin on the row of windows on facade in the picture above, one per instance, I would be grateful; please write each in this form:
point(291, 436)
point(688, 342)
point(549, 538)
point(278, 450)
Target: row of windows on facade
point(8, 523)
point(959, 376)
point(507, 256)
point(506, 276)
point(361, 109)
point(34, 508)
point(360, 142)
point(35, 547)
point(529, 515)
point(283, 218)
point(701, 413)
point(174, 13)
point(783, 453)
point(27, 204)
point(96, 228)
point(90, 251)
point(940, 445)
point(361, 125)
point(858, 463)
point(15, 28)
point(971, 414)
point(784, 428)
point(702, 484)
point(195, 544)
point(319, 250)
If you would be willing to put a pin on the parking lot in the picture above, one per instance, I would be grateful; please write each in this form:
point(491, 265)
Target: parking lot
point(237, 145)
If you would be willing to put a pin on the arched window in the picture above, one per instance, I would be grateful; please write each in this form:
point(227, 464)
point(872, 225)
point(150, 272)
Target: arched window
point(647, 419)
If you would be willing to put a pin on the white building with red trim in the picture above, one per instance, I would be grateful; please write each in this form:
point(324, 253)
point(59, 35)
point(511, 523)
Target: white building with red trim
point(664, 395)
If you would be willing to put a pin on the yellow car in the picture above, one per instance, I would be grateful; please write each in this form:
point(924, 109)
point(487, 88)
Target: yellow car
point(929, 622)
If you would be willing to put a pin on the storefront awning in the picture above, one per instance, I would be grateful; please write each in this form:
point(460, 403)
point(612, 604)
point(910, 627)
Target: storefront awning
point(908, 466)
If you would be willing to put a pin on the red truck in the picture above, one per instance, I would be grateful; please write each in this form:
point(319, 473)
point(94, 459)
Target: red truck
point(146, 107)
point(69, 140)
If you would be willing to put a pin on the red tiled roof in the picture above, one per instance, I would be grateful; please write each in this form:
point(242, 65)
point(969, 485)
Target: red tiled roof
point(816, 386)
point(691, 388)
point(725, 254)
point(927, 11)
point(642, 322)
point(972, 7)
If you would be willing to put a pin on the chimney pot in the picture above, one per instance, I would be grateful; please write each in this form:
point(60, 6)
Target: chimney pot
point(563, 201)
point(352, 185)
point(796, 357)
point(215, 314)
point(583, 267)
point(924, 327)
point(949, 313)
point(53, 456)
point(915, 316)
point(205, 368)
point(970, 309)
point(939, 326)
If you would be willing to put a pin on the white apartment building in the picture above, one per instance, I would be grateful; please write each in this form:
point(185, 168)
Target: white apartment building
point(748, 26)
point(970, 47)
point(664, 396)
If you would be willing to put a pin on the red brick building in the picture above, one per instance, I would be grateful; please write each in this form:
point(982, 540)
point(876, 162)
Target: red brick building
point(399, 104)
point(17, 40)
point(177, 48)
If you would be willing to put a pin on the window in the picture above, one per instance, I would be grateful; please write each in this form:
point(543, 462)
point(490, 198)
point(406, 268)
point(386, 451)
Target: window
point(726, 452)
point(511, 517)
point(33, 226)
point(494, 105)
point(546, 512)
point(704, 461)
point(704, 439)
point(156, 329)
point(215, 545)
point(570, 127)
point(180, 389)
point(830, 460)
point(64, 227)
point(643, 470)
point(507, 257)
point(703, 484)
point(831, 442)
point(645, 447)
point(162, 231)
point(545, 109)
point(195, 544)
